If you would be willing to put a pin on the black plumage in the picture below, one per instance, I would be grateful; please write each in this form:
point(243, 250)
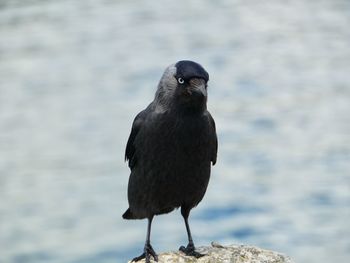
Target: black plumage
point(170, 150)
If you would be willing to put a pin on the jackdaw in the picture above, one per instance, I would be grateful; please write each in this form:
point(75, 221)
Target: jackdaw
point(170, 150)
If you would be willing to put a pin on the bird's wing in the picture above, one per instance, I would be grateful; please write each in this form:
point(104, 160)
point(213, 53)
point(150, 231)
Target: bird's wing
point(130, 147)
point(214, 139)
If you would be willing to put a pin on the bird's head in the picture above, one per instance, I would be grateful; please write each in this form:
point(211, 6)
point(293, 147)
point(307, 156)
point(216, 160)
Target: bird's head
point(183, 86)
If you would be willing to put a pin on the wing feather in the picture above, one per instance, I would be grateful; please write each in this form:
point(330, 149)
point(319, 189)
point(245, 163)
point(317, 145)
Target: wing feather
point(214, 140)
point(130, 151)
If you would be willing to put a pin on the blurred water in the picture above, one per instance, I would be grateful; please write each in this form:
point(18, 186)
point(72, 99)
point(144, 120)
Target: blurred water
point(73, 74)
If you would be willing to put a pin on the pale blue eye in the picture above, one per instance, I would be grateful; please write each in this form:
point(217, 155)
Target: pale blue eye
point(181, 80)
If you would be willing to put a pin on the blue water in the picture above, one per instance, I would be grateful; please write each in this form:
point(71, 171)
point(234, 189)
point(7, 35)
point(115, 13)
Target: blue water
point(73, 74)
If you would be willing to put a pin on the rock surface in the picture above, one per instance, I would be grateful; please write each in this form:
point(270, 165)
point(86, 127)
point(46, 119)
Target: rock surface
point(219, 253)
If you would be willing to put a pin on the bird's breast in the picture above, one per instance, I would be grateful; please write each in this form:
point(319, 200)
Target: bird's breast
point(179, 143)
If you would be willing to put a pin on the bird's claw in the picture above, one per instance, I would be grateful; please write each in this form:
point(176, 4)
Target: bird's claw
point(148, 251)
point(190, 251)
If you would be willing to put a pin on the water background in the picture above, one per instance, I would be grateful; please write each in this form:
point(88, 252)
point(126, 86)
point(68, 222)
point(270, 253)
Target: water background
point(73, 74)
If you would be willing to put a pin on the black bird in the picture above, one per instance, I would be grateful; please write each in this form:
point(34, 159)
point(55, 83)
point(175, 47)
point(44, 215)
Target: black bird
point(170, 150)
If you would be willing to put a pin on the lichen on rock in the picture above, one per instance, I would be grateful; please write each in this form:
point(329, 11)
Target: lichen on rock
point(217, 253)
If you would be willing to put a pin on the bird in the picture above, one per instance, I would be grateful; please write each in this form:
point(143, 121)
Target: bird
point(170, 151)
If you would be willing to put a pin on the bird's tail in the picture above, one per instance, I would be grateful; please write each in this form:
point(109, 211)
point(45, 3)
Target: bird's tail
point(128, 214)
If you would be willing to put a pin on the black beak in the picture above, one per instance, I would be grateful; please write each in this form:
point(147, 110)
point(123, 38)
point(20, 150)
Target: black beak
point(198, 87)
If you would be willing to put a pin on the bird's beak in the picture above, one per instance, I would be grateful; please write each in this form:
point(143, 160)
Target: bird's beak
point(198, 87)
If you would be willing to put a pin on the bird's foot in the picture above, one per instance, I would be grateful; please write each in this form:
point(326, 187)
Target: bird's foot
point(148, 251)
point(190, 251)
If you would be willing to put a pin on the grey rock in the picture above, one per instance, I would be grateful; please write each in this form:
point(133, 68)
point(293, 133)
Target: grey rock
point(226, 254)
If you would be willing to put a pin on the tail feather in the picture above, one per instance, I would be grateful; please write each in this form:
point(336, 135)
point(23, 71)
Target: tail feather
point(128, 214)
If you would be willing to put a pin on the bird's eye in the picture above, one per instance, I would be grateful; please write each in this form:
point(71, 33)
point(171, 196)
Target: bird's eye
point(181, 80)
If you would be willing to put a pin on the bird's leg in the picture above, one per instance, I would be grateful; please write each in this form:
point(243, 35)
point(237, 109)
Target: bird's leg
point(190, 249)
point(148, 249)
